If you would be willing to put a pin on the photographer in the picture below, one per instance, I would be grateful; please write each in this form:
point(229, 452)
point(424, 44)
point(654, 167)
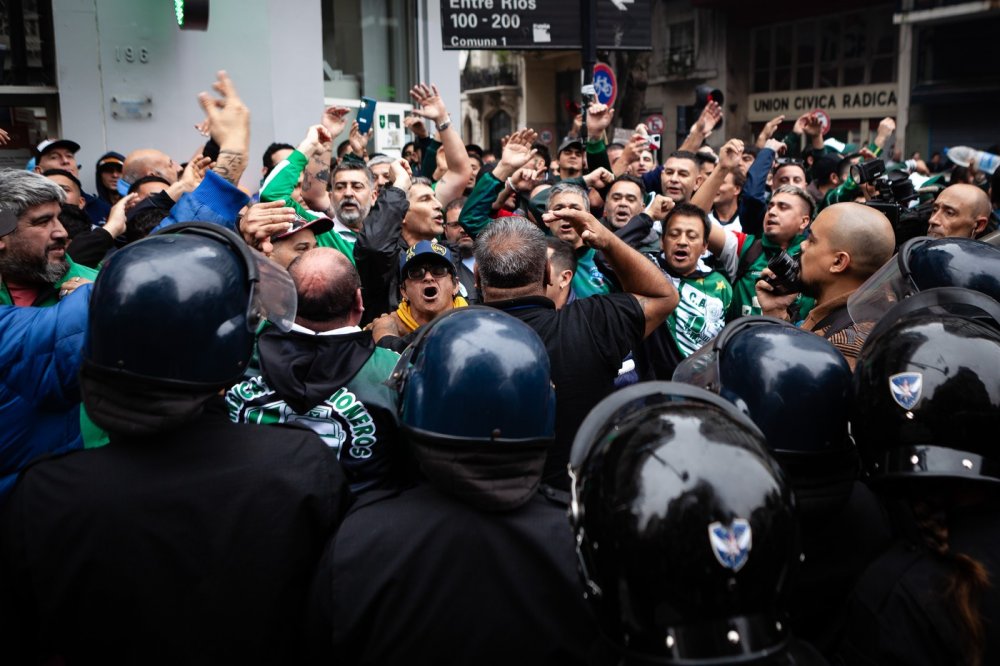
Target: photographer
point(843, 247)
point(849, 190)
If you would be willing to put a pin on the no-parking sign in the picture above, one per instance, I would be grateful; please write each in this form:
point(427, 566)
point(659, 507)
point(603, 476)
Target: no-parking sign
point(605, 84)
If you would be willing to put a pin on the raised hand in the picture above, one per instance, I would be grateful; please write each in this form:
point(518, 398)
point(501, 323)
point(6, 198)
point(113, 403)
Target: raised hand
point(416, 126)
point(709, 118)
point(401, 174)
point(335, 119)
point(659, 207)
point(263, 220)
point(731, 155)
point(115, 224)
point(599, 117)
point(516, 153)
point(229, 126)
point(593, 233)
point(359, 140)
point(769, 129)
point(318, 138)
point(599, 177)
point(430, 104)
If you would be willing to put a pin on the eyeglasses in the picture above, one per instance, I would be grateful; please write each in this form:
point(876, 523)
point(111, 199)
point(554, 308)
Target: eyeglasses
point(418, 272)
point(452, 225)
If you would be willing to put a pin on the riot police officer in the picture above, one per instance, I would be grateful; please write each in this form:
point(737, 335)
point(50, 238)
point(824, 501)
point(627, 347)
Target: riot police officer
point(470, 565)
point(685, 530)
point(926, 412)
point(187, 538)
point(927, 263)
point(796, 386)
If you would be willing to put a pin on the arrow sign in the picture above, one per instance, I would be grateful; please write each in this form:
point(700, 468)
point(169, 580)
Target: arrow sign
point(620, 4)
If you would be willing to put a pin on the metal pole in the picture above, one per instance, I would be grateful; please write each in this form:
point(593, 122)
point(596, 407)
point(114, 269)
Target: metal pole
point(588, 37)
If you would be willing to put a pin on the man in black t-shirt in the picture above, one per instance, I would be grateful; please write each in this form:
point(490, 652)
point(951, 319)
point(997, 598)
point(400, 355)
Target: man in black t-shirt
point(586, 339)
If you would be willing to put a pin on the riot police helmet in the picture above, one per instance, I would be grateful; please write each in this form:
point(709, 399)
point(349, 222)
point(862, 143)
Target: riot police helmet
point(685, 527)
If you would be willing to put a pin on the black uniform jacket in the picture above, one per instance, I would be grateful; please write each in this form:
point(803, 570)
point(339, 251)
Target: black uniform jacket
point(417, 577)
point(191, 547)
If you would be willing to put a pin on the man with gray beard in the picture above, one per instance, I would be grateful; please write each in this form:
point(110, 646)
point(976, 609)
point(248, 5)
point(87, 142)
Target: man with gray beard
point(34, 267)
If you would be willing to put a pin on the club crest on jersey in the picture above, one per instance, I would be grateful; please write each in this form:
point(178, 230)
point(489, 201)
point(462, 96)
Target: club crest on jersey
point(731, 544)
point(906, 387)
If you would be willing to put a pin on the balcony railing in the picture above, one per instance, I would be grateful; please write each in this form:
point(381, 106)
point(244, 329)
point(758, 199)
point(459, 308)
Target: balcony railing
point(490, 77)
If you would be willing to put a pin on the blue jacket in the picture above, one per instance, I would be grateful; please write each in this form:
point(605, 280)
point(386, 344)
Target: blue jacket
point(41, 350)
point(214, 200)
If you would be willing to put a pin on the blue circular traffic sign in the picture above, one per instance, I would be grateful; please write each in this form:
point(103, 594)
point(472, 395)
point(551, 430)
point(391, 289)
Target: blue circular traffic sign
point(605, 84)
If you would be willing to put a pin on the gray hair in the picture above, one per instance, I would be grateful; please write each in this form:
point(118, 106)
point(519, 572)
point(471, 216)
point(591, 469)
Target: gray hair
point(21, 190)
point(510, 253)
point(380, 159)
point(345, 165)
point(801, 194)
point(572, 188)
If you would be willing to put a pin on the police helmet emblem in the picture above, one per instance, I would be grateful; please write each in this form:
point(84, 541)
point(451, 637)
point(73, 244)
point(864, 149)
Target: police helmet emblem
point(731, 543)
point(906, 388)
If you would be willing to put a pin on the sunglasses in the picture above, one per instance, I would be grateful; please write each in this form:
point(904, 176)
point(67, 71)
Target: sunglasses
point(418, 272)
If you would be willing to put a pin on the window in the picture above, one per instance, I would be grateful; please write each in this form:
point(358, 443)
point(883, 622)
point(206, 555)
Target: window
point(500, 126)
point(26, 43)
point(680, 56)
point(367, 47)
point(846, 50)
point(29, 101)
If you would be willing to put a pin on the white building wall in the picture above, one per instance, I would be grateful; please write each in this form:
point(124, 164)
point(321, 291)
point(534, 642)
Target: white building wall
point(271, 48)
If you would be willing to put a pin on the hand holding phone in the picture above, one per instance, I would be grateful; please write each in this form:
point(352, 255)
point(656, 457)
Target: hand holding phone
point(366, 114)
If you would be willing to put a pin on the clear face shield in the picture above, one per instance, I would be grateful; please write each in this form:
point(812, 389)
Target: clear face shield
point(702, 369)
point(894, 282)
point(273, 295)
point(272, 292)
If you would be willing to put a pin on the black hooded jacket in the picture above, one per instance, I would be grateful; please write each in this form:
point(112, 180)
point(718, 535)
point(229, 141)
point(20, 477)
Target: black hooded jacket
point(332, 384)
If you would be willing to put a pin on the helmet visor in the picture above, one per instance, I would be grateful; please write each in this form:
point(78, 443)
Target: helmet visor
point(273, 294)
point(884, 289)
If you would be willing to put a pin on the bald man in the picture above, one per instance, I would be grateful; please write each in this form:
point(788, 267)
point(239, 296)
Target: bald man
point(326, 373)
point(960, 211)
point(148, 162)
point(844, 246)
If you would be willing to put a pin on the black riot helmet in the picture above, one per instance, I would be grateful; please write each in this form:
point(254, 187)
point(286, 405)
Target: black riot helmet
point(476, 374)
point(477, 406)
point(685, 526)
point(181, 308)
point(928, 263)
point(927, 390)
point(795, 386)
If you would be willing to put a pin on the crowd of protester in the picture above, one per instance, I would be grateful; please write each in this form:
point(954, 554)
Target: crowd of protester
point(737, 406)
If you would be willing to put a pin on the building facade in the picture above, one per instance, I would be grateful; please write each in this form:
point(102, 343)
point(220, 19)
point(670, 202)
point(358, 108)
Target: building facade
point(927, 63)
point(120, 75)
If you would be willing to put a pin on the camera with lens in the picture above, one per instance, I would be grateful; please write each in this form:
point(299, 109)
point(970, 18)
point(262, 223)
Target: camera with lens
point(895, 194)
point(787, 278)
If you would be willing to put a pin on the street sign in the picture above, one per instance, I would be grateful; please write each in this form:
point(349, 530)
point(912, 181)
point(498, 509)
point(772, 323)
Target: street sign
point(543, 24)
point(654, 123)
point(824, 120)
point(605, 84)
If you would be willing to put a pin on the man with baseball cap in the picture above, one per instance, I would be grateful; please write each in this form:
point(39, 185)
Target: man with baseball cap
point(570, 157)
point(61, 154)
point(57, 154)
point(299, 239)
point(428, 287)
